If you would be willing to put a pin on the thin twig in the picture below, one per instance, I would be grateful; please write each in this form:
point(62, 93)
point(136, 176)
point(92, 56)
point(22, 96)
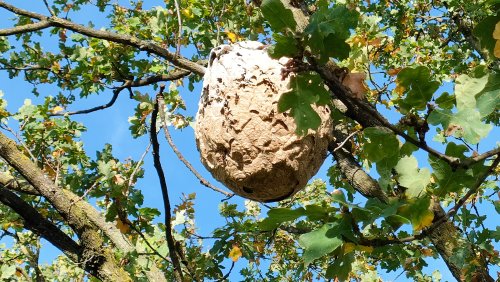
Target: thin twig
point(20, 141)
point(228, 273)
point(87, 191)
point(48, 8)
point(179, 33)
point(481, 157)
point(174, 75)
point(471, 191)
point(164, 189)
point(202, 180)
point(155, 251)
point(136, 168)
point(116, 92)
point(345, 140)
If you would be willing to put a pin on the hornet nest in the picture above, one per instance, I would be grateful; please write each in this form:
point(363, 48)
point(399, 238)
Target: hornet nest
point(242, 138)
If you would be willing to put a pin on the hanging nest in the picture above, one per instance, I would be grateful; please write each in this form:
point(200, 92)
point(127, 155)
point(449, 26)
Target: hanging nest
point(242, 138)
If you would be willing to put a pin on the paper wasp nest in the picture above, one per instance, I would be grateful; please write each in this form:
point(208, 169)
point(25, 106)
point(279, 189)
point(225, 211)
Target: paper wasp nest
point(243, 140)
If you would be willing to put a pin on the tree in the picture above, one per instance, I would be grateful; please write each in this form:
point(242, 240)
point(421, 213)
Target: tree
point(431, 98)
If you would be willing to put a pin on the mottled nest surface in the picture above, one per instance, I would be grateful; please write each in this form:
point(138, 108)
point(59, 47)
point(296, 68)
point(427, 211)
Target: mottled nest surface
point(242, 138)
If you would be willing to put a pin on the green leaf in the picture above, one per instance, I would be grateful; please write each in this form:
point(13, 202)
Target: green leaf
point(307, 89)
point(460, 257)
point(382, 144)
point(446, 101)
point(411, 177)
point(496, 234)
point(341, 267)
point(447, 179)
point(417, 210)
point(286, 46)
point(318, 212)
point(465, 123)
point(7, 271)
point(277, 216)
point(484, 32)
point(319, 242)
point(453, 180)
point(279, 17)
point(488, 100)
point(418, 87)
point(466, 88)
point(328, 30)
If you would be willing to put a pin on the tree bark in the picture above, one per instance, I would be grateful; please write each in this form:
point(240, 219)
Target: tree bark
point(95, 256)
point(37, 224)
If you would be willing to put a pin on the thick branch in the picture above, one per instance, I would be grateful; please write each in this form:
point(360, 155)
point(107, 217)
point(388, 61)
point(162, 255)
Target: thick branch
point(24, 28)
point(365, 114)
point(108, 228)
point(140, 44)
point(36, 223)
point(96, 258)
point(163, 183)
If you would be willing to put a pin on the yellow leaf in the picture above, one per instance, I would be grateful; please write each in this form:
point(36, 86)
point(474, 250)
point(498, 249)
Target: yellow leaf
point(424, 221)
point(367, 249)
point(18, 273)
point(427, 252)
point(187, 13)
point(349, 247)
point(235, 253)
point(376, 42)
point(68, 138)
point(496, 32)
point(50, 171)
point(393, 72)
point(259, 246)
point(55, 66)
point(400, 89)
point(233, 37)
point(124, 227)
point(389, 47)
point(57, 109)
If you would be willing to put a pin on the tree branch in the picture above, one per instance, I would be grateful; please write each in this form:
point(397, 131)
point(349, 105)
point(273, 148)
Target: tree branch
point(364, 113)
point(125, 39)
point(179, 22)
point(163, 183)
point(25, 28)
point(96, 258)
point(36, 223)
point(177, 74)
point(483, 156)
point(351, 169)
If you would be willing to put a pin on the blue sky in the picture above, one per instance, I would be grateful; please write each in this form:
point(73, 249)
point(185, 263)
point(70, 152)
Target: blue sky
point(111, 126)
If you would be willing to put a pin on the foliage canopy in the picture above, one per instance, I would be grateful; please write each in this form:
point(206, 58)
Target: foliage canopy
point(415, 92)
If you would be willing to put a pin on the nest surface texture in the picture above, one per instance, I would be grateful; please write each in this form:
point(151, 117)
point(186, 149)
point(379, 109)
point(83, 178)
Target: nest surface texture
point(242, 138)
